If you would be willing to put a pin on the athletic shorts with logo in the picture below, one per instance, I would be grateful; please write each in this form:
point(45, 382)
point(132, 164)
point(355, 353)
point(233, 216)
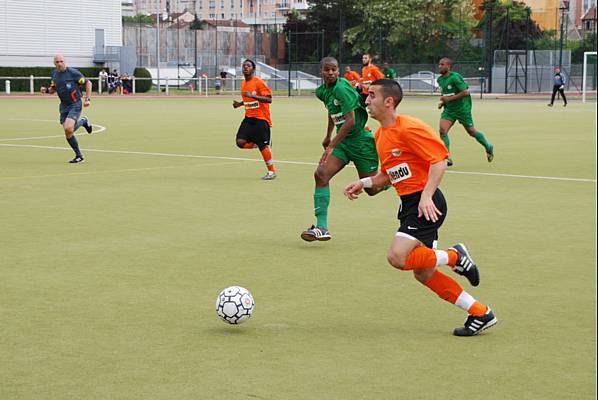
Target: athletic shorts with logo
point(360, 149)
point(72, 111)
point(256, 131)
point(418, 227)
point(463, 116)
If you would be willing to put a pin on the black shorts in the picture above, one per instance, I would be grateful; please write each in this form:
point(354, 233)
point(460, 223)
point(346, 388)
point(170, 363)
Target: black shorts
point(256, 131)
point(419, 228)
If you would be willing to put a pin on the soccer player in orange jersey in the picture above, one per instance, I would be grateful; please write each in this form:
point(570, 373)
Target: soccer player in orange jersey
point(255, 128)
point(413, 159)
point(369, 73)
point(352, 76)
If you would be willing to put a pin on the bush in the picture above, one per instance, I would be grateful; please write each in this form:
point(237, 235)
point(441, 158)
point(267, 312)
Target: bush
point(22, 85)
point(142, 86)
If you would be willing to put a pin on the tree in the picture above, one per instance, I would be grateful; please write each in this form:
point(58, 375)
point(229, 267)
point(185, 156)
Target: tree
point(330, 18)
point(512, 20)
point(413, 31)
point(140, 19)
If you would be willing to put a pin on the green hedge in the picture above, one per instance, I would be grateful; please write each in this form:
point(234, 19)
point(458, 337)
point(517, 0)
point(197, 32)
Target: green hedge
point(142, 86)
point(22, 85)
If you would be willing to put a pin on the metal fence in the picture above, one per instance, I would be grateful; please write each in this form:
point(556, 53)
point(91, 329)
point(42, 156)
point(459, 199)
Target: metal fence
point(295, 85)
point(421, 82)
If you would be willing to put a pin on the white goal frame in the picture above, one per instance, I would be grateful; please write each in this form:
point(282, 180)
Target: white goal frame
point(585, 70)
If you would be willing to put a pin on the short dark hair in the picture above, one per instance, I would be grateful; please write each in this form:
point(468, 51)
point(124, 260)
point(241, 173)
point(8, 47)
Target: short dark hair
point(390, 88)
point(328, 60)
point(447, 60)
point(250, 62)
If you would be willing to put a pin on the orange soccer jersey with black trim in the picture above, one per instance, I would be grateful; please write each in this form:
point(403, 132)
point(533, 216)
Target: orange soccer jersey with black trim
point(406, 151)
point(353, 77)
point(254, 108)
point(368, 75)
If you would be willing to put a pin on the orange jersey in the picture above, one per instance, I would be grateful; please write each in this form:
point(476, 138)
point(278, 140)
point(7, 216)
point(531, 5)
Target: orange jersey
point(368, 75)
point(254, 108)
point(352, 77)
point(406, 151)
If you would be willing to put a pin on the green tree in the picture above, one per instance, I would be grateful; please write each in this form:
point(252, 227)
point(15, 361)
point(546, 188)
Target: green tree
point(330, 18)
point(578, 47)
point(413, 31)
point(140, 19)
point(510, 21)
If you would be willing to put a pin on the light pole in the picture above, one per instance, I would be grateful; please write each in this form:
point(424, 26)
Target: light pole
point(564, 8)
point(158, 46)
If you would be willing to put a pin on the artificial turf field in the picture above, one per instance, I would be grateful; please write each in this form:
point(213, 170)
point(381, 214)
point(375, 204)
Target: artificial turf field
point(110, 270)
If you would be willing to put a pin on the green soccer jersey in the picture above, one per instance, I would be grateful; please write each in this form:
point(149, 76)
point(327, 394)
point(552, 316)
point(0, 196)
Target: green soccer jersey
point(389, 73)
point(340, 99)
point(453, 84)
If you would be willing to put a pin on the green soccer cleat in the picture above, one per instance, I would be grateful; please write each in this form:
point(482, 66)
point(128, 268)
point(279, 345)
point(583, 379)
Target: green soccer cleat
point(490, 154)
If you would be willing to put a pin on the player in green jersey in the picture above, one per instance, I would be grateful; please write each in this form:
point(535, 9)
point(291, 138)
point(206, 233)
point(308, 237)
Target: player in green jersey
point(456, 101)
point(352, 142)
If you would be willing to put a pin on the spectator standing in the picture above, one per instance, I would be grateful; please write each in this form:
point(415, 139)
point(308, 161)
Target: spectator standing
point(103, 81)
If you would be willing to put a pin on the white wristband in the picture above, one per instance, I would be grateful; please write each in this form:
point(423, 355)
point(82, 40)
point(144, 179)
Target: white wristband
point(367, 182)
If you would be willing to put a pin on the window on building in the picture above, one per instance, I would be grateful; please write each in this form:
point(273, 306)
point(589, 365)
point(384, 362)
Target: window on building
point(212, 4)
point(221, 3)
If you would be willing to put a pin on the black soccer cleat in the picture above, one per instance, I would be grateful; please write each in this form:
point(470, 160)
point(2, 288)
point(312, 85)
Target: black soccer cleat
point(465, 265)
point(316, 233)
point(77, 160)
point(475, 325)
point(87, 125)
point(449, 162)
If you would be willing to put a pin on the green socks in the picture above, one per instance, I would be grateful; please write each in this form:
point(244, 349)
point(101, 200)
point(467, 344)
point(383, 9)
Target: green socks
point(321, 202)
point(447, 141)
point(479, 136)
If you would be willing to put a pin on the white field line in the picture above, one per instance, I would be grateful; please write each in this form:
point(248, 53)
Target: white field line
point(143, 153)
point(113, 171)
point(96, 129)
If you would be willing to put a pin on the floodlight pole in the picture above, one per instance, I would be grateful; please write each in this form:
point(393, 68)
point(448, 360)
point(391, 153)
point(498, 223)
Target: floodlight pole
point(563, 8)
point(158, 47)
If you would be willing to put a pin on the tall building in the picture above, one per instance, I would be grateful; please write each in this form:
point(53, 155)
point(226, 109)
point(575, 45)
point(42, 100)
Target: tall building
point(252, 12)
point(31, 32)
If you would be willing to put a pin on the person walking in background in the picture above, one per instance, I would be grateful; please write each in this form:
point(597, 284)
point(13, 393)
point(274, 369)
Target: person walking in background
point(388, 72)
point(559, 81)
point(352, 76)
point(369, 73)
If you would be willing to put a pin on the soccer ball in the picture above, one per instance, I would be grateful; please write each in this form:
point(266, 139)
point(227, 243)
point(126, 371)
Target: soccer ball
point(234, 305)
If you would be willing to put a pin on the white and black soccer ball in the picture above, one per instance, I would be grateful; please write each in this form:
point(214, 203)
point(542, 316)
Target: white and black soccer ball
point(234, 305)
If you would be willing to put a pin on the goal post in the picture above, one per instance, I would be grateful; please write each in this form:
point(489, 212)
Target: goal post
point(587, 56)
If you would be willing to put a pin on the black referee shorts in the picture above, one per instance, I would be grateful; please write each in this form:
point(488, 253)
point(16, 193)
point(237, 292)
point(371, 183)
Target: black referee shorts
point(256, 131)
point(418, 227)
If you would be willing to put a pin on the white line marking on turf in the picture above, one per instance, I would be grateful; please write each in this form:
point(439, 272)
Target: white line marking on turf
point(203, 165)
point(144, 153)
point(95, 131)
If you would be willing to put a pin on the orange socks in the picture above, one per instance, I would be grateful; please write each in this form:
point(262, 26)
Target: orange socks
point(448, 289)
point(420, 258)
point(424, 257)
point(249, 145)
point(267, 156)
point(445, 287)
